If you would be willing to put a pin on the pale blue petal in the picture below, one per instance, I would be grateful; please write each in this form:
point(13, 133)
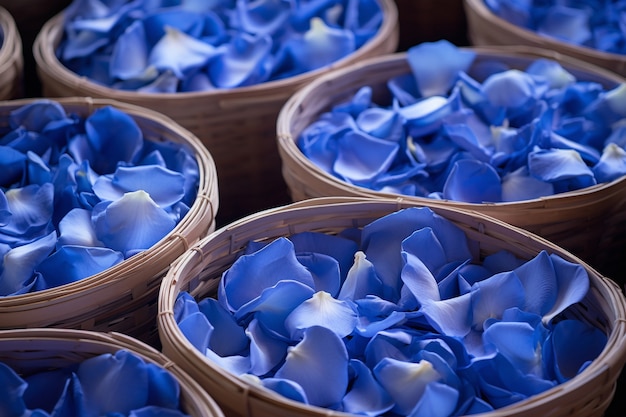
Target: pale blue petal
point(552, 71)
point(180, 53)
point(322, 310)
point(612, 164)
point(439, 400)
point(405, 381)
point(122, 376)
point(516, 341)
point(403, 89)
point(366, 396)
point(13, 164)
point(466, 130)
point(251, 274)
point(435, 66)
point(13, 387)
point(491, 297)
point(164, 186)
point(572, 282)
point(567, 24)
point(71, 263)
point(227, 337)
point(20, 263)
point(237, 364)
point(540, 284)
point(435, 153)
point(180, 18)
point(361, 280)
point(286, 388)
point(266, 352)
point(358, 103)
point(167, 82)
point(321, 45)
point(570, 346)
point(114, 136)
point(388, 344)
point(319, 363)
point(200, 81)
point(381, 123)
point(372, 325)
point(31, 210)
point(76, 228)
point(243, 62)
point(361, 157)
point(324, 269)
point(132, 222)
point(426, 115)
point(452, 317)
point(418, 279)
point(554, 165)
point(473, 181)
point(5, 212)
point(264, 16)
point(518, 185)
point(589, 154)
point(129, 58)
point(511, 89)
point(274, 304)
point(197, 330)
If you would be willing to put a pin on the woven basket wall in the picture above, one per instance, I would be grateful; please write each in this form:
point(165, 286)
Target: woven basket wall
point(237, 126)
point(199, 270)
point(123, 297)
point(11, 59)
point(33, 350)
point(590, 223)
point(485, 28)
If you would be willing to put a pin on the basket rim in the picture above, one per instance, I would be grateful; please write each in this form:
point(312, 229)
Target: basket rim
point(287, 141)
point(38, 338)
point(479, 7)
point(599, 368)
point(52, 31)
point(204, 206)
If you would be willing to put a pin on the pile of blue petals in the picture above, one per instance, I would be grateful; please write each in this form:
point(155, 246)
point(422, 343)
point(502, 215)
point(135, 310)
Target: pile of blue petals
point(181, 46)
point(115, 385)
point(81, 194)
point(395, 319)
point(596, 24)
point(474, 132)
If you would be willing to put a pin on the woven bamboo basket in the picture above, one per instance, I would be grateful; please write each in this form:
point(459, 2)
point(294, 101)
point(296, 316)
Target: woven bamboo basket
point(237, 126)
point(589, 222)
point(485, 28)
point(28, 351)
point(123, 297)
point(11, 60)
point(199, 270)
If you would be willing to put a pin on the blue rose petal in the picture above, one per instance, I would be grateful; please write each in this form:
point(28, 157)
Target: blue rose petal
point(77, 229)
point(567, 24)
point(129, 58)
point(562, 167)
point(266, 352)
point(361, 280)
point(227, 337)
point(264, 17)
point(473, 181)
point(491, 297)
point(11, 401)
point(612, 164)
point(366, 396)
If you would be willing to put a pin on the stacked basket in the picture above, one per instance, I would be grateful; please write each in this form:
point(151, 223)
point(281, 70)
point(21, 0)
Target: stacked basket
point(123, 297)
point(237, 126)
point(588, 222)
point(29, 351)
point(199, 272)
point(11, 60)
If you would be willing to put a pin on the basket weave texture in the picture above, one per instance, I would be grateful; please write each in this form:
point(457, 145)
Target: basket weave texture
point(34, 350)
point(237, 126)
point(11, 60)
point(589, 222)
point(485, 28)
point(123, 297)
point(199, 270)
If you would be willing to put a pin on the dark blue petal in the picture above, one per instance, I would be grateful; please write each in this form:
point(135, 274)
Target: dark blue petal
point(573, 284)
point(244, 61)
point(439, 78)
point(197, 329)
point(45, 388)
point(13, 165)
point(37, 115)
point(184, 305)
point(227, 337)
point(319, 363)
point(20, 263)
point(129, 58)
point(264, 17)
point(366, 396)
point(71, 263)
point(567, 24)
point(163, 388)
point(5, 212)
point(71, 402)
point(184, 20)
point(286, 388)
point(156, 411)
point(473, 181)
point(132, 222)
point(324, 269)
point(13, 387)
point(439, 400)
point(251, 274)
point(540, 285)
point(266, 352)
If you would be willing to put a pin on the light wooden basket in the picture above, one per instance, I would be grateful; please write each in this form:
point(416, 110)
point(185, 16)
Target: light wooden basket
point(199, 270)
point(11, 59)
point(122, 298)
point(34, 350)
point(590, 223)
point(237, 125)
point(485, 28)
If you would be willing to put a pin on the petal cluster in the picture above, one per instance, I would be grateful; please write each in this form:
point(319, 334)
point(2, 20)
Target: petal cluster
point(412, 326)
point(474, 132)
point(81, 194)
point(119, 383)
point(181, 46)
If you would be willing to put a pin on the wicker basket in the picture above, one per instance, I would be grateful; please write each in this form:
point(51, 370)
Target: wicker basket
point(11, 60)
point(485, 28)
point(123, 297)
point(237, 126)
point(199, 271)
point(33, 350)
point(589, 222)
